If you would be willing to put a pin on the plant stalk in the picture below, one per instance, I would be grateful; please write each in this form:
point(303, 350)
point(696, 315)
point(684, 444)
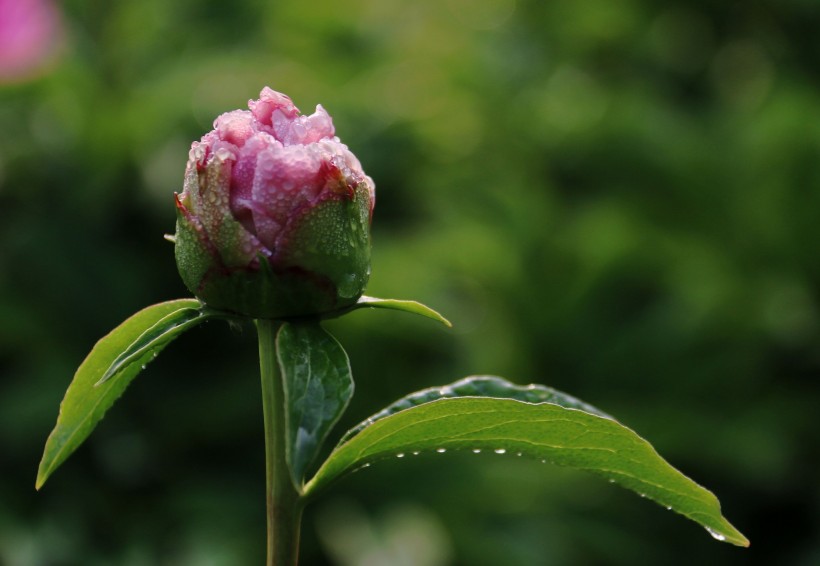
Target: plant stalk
point(284, 506)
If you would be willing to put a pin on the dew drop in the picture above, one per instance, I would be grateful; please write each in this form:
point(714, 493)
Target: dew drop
point(716, 535)
point(362, 467)
point(400, 455)
point(611, 481)
point(668, 507)
point(500, 451)
point(143, 366)
point(441, 450)
point(519, 454)
point(416, 452)
point(476, 450)
point(348, 285)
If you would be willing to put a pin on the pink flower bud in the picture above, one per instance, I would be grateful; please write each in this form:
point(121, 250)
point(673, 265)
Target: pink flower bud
point(274, 217)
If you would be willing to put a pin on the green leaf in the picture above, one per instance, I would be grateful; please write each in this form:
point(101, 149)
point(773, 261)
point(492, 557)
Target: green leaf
point(318, 386)
point(157, 337)
point(479, 386)
point(545, 431)
point(397, 305)
point(116, 359)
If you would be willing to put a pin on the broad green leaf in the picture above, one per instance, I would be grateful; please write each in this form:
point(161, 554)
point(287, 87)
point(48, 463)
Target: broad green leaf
point(121, 354)
point(478, 386)
point(318, 386)
point(397, 305)
point(545, 431)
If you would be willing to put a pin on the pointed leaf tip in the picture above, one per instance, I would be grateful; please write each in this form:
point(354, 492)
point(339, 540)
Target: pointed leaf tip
point(556, 430)
point(413, 307)
point(129, 347)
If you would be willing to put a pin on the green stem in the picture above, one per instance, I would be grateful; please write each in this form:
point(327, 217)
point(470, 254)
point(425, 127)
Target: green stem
point(283, 502)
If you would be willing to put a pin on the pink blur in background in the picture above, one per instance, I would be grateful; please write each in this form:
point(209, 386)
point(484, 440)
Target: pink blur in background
point(30, 34)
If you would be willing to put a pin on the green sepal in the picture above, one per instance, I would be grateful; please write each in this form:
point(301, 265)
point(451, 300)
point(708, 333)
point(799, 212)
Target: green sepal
point(321, 260)
point(331, 240)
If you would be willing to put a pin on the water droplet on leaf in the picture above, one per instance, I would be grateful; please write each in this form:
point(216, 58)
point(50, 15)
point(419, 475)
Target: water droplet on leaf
point(716, 535)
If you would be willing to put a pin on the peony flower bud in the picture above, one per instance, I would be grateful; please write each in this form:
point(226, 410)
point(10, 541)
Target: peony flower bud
point(274, 217)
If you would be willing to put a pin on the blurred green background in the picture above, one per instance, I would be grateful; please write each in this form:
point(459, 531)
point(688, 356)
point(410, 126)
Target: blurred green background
point(618, 199)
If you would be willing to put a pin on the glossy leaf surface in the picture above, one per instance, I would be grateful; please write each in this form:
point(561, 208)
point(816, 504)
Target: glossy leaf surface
point(545, 431)
point(479, 386)
point(318, 386)
point(120, 356)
